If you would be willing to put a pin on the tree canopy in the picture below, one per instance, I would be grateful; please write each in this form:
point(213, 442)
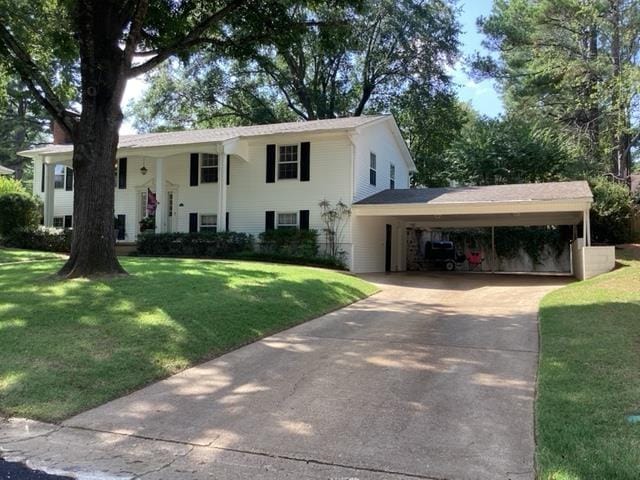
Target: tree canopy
point(575, 64)
point(347, 62)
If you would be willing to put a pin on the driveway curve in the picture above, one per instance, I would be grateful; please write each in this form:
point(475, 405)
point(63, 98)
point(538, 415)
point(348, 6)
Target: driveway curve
point(433, 378)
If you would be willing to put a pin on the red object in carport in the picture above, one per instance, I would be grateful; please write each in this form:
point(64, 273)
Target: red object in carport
point(474, 259)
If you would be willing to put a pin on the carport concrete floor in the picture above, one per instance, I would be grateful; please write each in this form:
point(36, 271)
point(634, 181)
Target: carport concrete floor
point(433, 377)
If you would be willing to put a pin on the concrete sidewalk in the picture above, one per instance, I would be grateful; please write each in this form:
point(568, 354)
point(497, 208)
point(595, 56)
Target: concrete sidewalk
point(432, 378)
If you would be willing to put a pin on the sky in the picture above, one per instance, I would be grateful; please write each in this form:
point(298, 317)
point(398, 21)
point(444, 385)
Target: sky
point(483, 96)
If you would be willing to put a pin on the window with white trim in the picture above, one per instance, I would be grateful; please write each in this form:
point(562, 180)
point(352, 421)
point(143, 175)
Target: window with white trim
point(208, 168)
point(58, 222)
point(287, 220)
point(392, 176)
point(372, 168)
point(58, 176)
point(208, 223)
point(287, 162)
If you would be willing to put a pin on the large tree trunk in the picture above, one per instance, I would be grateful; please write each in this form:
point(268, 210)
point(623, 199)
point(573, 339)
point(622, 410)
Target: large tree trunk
point(621, 153)
point(95, 141)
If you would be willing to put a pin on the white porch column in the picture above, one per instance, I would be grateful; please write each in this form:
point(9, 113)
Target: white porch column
point(49, 197)
point(222, 190)
point(161, 209)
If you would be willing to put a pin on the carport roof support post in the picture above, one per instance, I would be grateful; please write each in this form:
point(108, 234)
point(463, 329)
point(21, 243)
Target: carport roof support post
point(493, 249)
point(586, 228)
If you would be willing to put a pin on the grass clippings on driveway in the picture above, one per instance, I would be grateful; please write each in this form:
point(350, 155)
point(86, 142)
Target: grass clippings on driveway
point(71, 345)
point(589, 377)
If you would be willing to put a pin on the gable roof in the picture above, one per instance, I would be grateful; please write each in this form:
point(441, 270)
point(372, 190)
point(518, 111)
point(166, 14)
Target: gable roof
point(215, 135)
point(523, 192)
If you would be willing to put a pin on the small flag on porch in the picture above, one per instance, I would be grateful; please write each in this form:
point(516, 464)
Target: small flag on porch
point(152, 202)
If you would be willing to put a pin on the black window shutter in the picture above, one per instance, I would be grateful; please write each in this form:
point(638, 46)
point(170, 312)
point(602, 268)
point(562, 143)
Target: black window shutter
point(42, 181)
point(305, 163)
point(269, 220)
point(304, 219)
point(68, 221)
point(121, 226)
point(193, 222)
point(271, 163)
point(193, 172)
point(226, 221)
point(228, 168)
point(68, 184)
point(122, 174)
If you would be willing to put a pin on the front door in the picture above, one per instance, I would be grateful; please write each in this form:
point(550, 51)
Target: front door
point(387, 248)
point(170, 211)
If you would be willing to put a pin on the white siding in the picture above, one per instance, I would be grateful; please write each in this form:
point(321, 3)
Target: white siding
point(378, 139)
point(63, 203)
point(369, 241)
point(249, 196)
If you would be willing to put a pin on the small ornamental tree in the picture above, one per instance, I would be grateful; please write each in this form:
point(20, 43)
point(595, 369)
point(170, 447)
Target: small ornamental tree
point(334, 220)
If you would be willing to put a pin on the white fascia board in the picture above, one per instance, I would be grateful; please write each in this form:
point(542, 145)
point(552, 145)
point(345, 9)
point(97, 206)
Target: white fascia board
point(473, 208)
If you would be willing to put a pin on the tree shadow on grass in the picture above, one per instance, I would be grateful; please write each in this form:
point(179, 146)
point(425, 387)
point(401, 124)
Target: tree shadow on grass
point(70, 345)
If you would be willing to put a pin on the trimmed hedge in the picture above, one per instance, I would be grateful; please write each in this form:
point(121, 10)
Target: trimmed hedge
point(210, 244)
point(315, 261)
point(18, 210)
point(289, 242)
point(45, 239)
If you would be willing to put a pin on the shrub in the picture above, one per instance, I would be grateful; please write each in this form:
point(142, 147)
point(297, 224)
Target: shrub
point(18, 210)
point(11, 185)
point(290, 242)
point(315, 261)
point(210, 244)
point(611, 212)
point(39, 238)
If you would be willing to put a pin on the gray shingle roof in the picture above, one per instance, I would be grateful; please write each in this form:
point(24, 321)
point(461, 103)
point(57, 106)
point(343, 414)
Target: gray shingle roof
point(188, 137)
point(494, 193)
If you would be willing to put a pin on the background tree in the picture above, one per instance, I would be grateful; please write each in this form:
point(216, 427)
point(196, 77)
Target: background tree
point(505, 151)
point(575, 64)
point(106, 39)
point(336, 68)
point(430, 123)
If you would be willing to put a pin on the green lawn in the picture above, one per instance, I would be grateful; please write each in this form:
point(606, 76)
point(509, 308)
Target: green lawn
point(70, 345)
point(589, 377)
point(8, 255)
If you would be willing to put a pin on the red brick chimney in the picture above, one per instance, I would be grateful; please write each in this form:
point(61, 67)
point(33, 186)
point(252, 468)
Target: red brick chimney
point(60, 135)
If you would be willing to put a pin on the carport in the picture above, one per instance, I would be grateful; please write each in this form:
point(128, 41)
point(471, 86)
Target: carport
point(380, 221)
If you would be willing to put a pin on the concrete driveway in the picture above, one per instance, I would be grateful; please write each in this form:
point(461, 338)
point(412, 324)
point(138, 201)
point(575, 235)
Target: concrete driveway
point(431, 378)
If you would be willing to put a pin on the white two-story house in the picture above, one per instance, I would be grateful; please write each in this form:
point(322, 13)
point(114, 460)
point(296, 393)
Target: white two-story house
point(248, 179)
